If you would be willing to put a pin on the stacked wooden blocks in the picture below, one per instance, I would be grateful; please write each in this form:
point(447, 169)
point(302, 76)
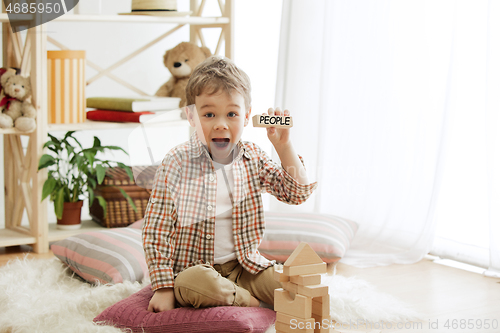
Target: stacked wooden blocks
point(303, 304)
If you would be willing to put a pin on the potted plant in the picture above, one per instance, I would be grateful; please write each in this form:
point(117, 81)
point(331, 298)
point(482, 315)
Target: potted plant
point(73, 174)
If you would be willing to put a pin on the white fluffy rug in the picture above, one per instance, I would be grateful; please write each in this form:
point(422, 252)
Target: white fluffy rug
point(43, 296)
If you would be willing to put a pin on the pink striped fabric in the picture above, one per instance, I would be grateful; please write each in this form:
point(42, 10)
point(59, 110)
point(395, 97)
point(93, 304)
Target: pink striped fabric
point(108, 256)
point(330, 236)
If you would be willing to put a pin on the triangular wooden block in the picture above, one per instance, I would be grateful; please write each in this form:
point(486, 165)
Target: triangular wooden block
point(303, 255)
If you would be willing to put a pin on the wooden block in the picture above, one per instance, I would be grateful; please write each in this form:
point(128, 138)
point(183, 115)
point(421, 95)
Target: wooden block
point(300, 307)
point(279, 276)
point(313, 291)
point(286, 328)
point(306, 280)
point(294, 322)
point(291, 287)
point(309, 291)
point(303, 255)
point(322, 324)
point(305, 269)
point(262, 120)
point(321, 306)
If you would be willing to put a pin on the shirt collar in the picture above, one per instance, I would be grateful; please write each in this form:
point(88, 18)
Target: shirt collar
point(197, 148)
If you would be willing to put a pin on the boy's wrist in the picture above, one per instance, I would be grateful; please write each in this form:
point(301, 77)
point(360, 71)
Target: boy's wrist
point(283, 147)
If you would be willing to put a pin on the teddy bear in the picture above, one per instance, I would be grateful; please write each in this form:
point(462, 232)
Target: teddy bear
point(16, 109)
point(181, 61)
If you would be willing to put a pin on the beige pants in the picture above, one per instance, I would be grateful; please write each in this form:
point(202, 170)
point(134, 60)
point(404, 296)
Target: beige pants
point(223, 285)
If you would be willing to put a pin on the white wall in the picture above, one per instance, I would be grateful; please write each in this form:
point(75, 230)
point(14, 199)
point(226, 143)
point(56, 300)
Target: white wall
point(256, 41)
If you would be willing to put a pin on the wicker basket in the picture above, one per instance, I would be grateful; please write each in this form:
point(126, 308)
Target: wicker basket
point(119, 211)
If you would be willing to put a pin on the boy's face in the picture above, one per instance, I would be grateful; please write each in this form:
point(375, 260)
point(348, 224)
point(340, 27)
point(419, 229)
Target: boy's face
point(219, 120)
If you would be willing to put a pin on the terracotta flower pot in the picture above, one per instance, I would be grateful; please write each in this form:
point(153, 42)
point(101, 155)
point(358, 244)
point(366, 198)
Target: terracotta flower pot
point(71, 217)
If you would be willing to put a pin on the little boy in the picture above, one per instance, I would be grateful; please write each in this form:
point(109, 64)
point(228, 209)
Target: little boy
point(204, 221)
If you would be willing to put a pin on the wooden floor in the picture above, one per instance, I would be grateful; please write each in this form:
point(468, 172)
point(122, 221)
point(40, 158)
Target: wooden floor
point(450, 299)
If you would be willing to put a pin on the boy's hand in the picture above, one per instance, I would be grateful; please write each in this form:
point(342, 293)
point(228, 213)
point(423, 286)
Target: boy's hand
point(278, 136)
point(163, 300)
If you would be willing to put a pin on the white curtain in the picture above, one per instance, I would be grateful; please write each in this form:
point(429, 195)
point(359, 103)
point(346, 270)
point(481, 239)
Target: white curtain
point(369, 84)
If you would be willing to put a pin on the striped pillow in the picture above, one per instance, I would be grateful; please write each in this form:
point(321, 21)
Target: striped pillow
point(330, 236)
point(108, 256)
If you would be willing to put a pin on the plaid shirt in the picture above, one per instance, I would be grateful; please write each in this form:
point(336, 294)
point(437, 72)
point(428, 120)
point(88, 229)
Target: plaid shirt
point(179, 223)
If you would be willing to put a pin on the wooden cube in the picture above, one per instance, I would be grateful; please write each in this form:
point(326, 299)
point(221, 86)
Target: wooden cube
point(306, 280)
point(309, 291)
point(300, 306)
point(286, 328)
point(305, 269)
point(294, 323)
point(279, 276)
point(321, 306)
point(322, 324)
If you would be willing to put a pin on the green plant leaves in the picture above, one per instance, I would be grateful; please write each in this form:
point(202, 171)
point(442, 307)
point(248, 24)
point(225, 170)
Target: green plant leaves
point(59, 202)
point(48, 187)
point(102, 202)
point(129, 199)
point(101, 172)
point(46, 161)
point(74, 172)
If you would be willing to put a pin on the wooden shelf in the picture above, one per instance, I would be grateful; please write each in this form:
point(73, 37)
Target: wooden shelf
point(191, 20)
point(4, 17)
point(12, 238)
point(28, 51)
point(13, 131)
point(102, 125)
point(97, 125)
point(87, 225)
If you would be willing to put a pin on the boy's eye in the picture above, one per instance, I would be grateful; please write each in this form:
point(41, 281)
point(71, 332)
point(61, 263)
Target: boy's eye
point(232, 114)
point(209, 115)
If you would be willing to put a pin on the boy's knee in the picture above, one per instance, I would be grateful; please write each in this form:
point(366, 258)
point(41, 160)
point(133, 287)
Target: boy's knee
point(196, 286)
point(203, 286)
point(197, 276)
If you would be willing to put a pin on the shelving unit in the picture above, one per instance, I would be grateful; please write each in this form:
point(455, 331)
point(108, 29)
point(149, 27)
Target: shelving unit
point(23, 183)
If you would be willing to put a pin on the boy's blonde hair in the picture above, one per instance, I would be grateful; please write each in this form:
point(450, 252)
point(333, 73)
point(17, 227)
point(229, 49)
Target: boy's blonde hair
point(218, 73)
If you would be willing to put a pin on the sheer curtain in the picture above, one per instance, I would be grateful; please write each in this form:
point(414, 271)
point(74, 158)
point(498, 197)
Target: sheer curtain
point(370, 86)
point(493, 134)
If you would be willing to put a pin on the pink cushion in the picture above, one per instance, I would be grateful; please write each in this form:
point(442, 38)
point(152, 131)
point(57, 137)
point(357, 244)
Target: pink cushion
point(330, 236)
point(131, 313)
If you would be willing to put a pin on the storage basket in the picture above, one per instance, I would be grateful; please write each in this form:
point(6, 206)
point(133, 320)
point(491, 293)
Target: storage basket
point(119, 211)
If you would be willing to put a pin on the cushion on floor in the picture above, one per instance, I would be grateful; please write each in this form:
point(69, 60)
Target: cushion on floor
point(131, 313)
point(104, 256)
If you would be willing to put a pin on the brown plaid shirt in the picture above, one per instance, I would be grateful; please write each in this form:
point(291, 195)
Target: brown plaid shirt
point(179, 223)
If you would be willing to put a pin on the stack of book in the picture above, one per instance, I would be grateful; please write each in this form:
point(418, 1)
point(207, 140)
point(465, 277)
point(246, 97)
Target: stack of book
point(133, 110)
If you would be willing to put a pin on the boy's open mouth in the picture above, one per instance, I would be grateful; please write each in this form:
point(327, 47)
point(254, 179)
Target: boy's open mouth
point(221, 142)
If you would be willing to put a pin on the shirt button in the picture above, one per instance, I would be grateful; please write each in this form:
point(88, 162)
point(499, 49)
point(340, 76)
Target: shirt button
point(153, 200)
point(209, 237)
point(212, 178)
point(209, 207)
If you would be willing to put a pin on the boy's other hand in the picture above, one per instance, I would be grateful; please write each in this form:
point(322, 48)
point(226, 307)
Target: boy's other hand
point(163, 300)
point(278, 136)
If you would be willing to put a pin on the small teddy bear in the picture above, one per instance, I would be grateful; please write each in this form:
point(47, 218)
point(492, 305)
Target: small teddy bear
point(181, 61)
point(16, 110)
